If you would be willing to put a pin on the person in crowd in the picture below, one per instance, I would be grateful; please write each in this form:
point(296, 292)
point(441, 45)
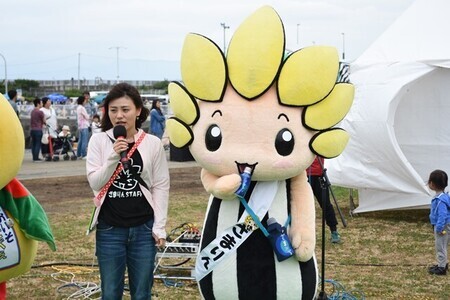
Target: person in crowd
point(440, 220)
point(12, 95)
point(100, 111)
point(89, 106)
point(314, 173)
point(52, 125)
point(83, 120)
point(157, 119)
point(96, 126)
point(65, 132)
point(37, 123)
point(65, 138)
point(131, 204)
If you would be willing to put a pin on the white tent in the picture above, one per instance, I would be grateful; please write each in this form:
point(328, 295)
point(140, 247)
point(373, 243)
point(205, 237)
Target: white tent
point(400, 120)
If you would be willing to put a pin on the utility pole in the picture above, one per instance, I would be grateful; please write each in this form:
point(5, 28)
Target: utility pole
point(6, 74)
point(298, 25)
point(79, 60)
point(343, 46)
point(117, 55)
point(224, 40)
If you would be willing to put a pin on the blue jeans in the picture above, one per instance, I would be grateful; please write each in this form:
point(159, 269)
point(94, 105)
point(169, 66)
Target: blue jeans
point(119, 247)
point(36, 137)
point(83, 137)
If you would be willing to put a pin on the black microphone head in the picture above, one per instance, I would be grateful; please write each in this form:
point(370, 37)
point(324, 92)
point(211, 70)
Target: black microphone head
point(119, 130)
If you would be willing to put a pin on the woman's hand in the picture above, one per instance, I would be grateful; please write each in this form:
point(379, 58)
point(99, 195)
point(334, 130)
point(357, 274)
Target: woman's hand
point(160, 242)
point(120, 145)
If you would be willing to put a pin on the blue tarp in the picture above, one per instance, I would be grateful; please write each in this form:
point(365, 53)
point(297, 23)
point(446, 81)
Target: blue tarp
point(57, 98)
point(99, 98)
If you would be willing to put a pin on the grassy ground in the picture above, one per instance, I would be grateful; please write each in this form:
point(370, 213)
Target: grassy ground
point(384, 255)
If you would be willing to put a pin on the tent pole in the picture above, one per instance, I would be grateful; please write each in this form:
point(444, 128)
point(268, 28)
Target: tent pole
point(327, 183)
point(352, 202)
point(323, 295)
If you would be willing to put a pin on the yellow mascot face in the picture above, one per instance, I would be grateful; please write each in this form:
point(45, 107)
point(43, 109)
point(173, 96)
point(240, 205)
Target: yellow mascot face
point(258, 106)
point(17, 252)
point(12, 143)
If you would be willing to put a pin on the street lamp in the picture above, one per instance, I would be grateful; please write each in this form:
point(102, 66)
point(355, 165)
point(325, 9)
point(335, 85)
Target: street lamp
point(298, 25)
point(343, 46)
point(117, 55)
point(6, 76)
point(79, 60)
point(224, 28)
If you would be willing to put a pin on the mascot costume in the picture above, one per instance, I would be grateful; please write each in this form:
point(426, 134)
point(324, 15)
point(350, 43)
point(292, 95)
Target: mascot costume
point(23, 222)
point(254, 120)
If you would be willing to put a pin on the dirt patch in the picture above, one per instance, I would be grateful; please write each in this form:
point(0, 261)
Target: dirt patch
point(58, 188)
point(49, 190)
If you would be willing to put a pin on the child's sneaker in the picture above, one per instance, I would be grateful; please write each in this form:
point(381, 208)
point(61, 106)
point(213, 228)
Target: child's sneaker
point(335, 237)
point(436, 266)
point(438, 271)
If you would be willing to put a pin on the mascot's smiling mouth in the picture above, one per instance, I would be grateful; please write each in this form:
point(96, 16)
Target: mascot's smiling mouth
point(242, 166)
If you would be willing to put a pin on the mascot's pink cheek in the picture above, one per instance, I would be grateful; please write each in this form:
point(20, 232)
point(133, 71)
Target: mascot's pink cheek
point(283, 164)
point(211, 159)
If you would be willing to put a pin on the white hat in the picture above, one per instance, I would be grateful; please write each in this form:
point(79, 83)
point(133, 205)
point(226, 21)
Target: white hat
point(65, 127)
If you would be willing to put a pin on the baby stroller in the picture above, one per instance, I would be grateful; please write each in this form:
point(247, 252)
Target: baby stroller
point(62, 145)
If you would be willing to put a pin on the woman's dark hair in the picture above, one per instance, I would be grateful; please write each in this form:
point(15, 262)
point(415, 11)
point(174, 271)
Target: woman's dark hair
point(44, 100)
point(80, 100)
point(124, 90)
point(156, 107)
point(36, 101)
point(439, 178)
point(12, 94)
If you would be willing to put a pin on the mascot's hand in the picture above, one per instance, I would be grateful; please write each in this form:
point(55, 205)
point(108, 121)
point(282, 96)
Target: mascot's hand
point(304, 248)
point(221, 187)
point(303, 214)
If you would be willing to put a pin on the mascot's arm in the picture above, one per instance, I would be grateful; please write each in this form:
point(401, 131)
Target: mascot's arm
point(27, 211)
point(303, 223)
point(220, 187)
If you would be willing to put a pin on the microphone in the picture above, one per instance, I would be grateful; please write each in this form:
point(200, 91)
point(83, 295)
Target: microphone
point(120, 131)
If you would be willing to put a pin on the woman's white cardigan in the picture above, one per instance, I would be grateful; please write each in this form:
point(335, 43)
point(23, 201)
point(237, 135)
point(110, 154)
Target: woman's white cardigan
point(102, 162)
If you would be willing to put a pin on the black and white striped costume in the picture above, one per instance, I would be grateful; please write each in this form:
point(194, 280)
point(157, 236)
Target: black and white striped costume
point(253, 271)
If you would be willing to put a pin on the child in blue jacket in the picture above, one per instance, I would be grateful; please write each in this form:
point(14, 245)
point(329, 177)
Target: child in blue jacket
point(440, 219)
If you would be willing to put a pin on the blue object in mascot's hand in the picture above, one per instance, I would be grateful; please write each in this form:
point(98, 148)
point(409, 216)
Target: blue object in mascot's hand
point(246, 178)
point(279, 240)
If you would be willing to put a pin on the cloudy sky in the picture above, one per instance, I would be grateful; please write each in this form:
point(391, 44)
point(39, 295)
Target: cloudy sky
point(54, 39)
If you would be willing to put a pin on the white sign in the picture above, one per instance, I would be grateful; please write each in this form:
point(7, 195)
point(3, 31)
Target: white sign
point(9, 247)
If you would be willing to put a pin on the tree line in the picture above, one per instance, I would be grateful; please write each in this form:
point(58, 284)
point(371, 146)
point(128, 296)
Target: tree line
point(27, 87)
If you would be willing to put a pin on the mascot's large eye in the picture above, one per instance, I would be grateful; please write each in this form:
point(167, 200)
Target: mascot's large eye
point(284, 142)
point(213, 138)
